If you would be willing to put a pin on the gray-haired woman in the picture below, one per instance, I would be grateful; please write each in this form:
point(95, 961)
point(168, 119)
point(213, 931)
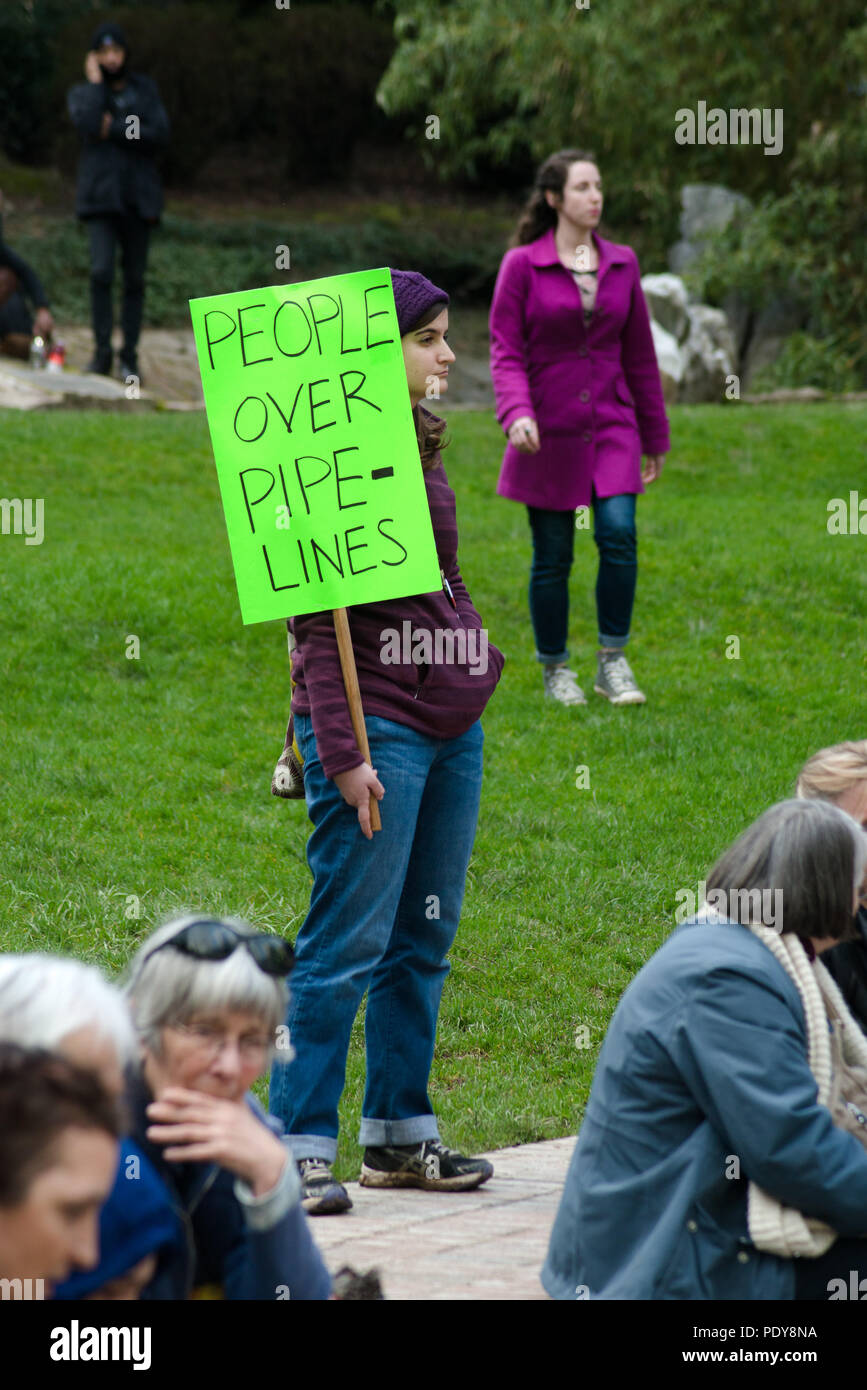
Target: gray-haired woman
point(208, 997)
point(708, 1159)
point(64, 1006)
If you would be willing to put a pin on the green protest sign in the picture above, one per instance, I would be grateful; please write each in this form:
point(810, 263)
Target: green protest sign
point(315, 445)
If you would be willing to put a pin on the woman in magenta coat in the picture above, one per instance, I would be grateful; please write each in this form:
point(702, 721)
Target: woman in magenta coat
point(579, 397)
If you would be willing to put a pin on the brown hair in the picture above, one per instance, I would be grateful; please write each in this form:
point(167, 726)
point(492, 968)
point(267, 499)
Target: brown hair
point(832, 771)
point(536, 215)
point(429, 429)
point(41, 1096)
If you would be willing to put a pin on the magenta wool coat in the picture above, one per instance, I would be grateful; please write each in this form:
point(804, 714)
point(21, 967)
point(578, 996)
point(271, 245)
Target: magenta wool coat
point(594, 392)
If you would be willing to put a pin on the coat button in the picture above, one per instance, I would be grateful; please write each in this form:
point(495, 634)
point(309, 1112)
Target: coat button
point(585, 396)
point(692, 1225)
point(743, 1257)
point(587, 436)
point(583, 350)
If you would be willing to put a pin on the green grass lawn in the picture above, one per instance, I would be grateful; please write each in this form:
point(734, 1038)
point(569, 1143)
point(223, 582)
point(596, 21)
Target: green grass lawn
point(143, 785)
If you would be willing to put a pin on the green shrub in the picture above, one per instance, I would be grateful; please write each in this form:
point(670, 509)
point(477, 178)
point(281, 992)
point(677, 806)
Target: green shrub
point(809, 361)
point(192, 258)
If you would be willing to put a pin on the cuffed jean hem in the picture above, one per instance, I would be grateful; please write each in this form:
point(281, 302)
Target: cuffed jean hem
point(612, 641)
point(311, 1146)
point(550, 660)
point(376, 1134)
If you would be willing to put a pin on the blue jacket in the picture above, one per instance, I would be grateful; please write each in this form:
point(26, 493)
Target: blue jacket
point(138, 1219)
point(704, 1063)
point(232, 1250)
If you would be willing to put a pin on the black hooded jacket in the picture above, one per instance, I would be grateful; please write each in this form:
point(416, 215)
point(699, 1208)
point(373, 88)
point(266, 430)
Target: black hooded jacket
point(848, 965)
point(119, 174)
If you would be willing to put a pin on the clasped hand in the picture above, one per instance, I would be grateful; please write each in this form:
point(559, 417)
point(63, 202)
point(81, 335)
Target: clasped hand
point(198, 1128)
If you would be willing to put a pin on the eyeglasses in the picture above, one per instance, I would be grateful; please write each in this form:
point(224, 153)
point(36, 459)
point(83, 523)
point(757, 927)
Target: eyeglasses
point(210, 1041)
point(207, 939)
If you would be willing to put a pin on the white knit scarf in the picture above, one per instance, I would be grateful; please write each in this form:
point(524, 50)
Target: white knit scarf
point(773, 1227)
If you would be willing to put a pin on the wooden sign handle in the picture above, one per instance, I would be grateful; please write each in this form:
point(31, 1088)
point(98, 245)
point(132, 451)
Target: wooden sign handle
point(353, 696)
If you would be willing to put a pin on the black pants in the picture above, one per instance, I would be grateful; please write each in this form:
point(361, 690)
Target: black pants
point(133, 234)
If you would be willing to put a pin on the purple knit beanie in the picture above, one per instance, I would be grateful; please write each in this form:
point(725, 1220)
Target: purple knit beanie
point(413, 295)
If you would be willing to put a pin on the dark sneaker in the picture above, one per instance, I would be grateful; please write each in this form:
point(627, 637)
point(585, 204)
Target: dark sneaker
point(430, 1165)
point(321, 1193)
point(129, 368)
point(100, 363)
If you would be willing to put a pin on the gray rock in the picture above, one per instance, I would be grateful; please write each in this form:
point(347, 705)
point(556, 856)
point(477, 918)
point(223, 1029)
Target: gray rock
point(762, 352)
point(708, 208)
point(681, 255)
point(705, 208)
point(667, 300)
point(709, 356)
point(669, 359)
point(781, 316)
point(23, 388)
point(740, 315)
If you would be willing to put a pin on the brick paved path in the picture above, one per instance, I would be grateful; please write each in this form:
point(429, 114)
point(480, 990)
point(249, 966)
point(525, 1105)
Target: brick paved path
point(488, 1244)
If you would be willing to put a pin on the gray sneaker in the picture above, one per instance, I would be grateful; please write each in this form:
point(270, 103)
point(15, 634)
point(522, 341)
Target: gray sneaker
point(321, 1193)
point(615, 681)
point(562, 684)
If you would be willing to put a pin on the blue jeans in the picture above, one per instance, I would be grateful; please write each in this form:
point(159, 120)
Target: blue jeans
point(553, 542)
point(383, 915)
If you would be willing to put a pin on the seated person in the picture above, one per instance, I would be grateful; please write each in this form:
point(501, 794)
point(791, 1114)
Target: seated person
point(208, 998)
point(58, 1154)
point(18, 284)
point(708, 1158)
point(60, 1004)
point(839, 775)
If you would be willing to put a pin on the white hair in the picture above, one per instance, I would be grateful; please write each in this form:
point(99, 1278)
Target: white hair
point(43, 999)
point(169, 987)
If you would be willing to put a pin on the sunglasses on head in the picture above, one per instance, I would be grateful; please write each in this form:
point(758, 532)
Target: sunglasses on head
point(207, 939)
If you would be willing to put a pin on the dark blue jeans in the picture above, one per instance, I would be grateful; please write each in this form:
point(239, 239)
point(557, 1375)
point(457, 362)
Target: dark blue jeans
point(553, 543)
point(383, 915)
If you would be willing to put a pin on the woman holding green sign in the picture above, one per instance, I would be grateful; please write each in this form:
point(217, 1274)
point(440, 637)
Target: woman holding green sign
point(384, 908)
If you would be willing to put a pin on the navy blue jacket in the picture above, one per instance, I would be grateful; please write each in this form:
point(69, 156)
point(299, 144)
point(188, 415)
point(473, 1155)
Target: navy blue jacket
point(705, 1061)
point(224, 1253)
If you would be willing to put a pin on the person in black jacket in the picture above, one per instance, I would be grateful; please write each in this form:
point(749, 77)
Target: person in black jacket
point(18, 284)
point(122, 122)
point(839, 774)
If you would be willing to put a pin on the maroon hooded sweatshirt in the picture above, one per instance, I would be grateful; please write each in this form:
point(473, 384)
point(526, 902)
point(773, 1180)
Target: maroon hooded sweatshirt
point(441, 698)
